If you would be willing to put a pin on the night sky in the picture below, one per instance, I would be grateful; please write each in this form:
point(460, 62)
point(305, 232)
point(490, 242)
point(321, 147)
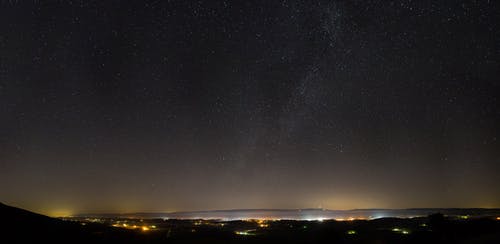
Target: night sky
point(123, 106)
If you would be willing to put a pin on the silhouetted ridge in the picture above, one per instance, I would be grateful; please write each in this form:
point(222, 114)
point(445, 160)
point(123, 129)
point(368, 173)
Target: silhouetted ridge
point(15, 216)
point(22, 226)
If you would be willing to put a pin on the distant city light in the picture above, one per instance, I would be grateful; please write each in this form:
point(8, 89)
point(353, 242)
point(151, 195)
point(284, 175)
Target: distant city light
point(401, 231)
point(245, 232)
point(131, 226)
point(350, 219)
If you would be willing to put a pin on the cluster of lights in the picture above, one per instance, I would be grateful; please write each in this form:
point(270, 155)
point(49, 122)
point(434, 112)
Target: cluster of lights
point(133, 227)
point(264, 219)
point(262, 223)
point(320, 219)
point(401, 231)
point(201, 222)
point(351, 232)
point(94, 220)
point(245, 232)
point(349, 219)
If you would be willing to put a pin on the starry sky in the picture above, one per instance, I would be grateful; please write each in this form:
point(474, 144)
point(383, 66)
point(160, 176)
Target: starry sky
point(123, 106)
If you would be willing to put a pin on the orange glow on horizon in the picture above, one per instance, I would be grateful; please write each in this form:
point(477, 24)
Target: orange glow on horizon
point(59, 213)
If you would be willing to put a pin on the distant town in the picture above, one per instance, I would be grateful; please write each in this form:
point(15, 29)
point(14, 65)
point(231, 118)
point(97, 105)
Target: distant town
point(259, 226)
point(310, 214)
point(261, 221)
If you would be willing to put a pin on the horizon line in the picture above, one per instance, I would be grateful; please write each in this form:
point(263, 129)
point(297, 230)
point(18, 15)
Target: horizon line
point(281, 209)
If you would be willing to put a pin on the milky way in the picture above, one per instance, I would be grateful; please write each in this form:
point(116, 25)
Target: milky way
point(112, 106)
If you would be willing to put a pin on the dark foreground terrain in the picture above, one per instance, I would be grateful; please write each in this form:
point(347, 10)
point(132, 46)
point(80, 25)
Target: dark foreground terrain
point(20, 226)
